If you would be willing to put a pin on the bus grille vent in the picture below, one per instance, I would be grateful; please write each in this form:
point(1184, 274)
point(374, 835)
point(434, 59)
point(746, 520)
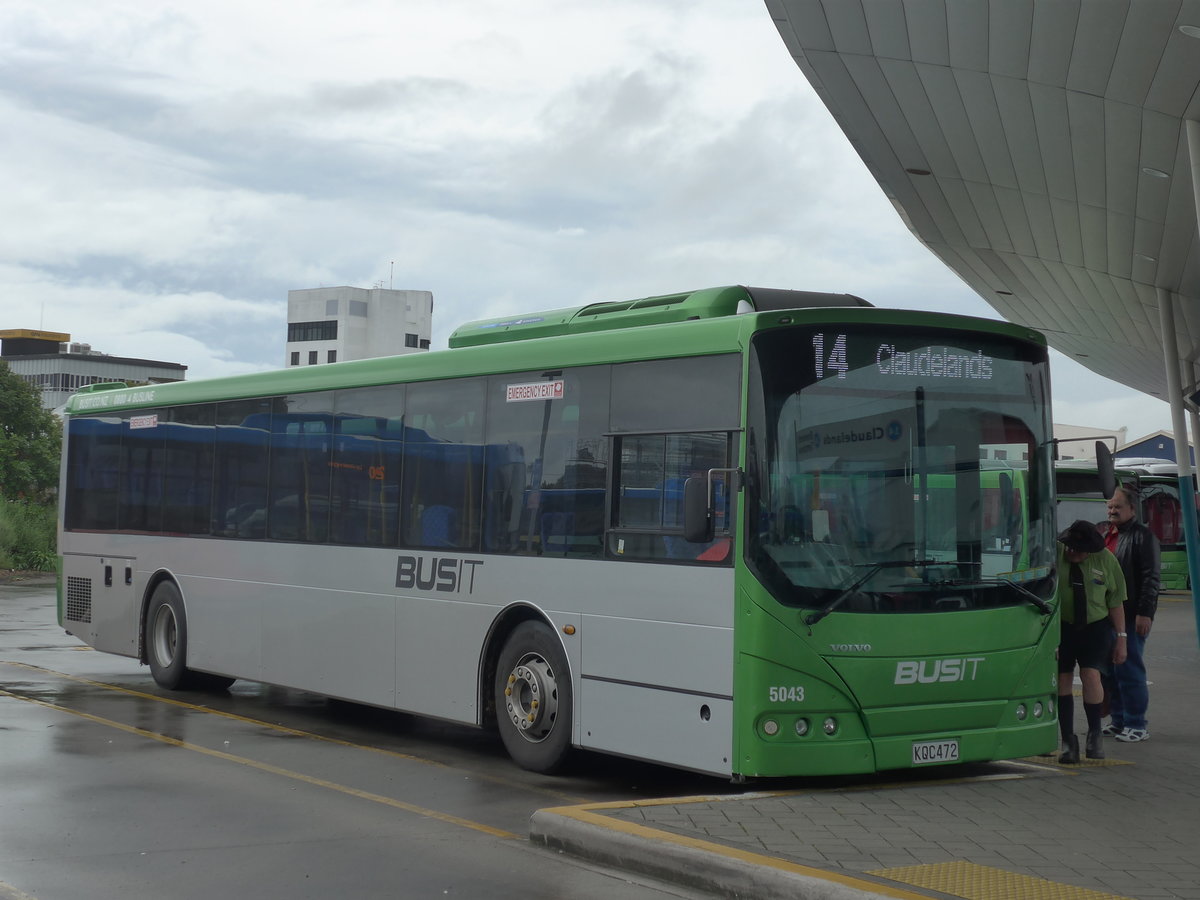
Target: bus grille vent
point(79, 599)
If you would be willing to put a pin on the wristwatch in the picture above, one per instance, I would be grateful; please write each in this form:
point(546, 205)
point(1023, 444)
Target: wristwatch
point(1122, 634)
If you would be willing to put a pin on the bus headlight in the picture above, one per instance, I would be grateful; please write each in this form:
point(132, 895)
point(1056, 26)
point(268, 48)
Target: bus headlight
point(1037, 710)
point(830, 725)
point(801, 727)
point(770, 728)
point(1021, 712)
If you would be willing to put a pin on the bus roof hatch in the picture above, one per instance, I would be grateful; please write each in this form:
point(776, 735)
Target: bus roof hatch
point(703, 304)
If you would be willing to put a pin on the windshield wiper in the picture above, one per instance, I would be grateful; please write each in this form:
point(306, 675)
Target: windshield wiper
point(1029, 595)
point(814, 617)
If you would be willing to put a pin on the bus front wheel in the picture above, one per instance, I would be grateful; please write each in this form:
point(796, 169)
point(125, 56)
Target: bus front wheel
point(533, 699)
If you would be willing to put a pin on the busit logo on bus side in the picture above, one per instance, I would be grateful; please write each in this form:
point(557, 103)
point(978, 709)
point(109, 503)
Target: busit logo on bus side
point(446, 574)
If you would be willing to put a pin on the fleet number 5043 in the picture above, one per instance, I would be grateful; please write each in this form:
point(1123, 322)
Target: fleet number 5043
point(790, 693)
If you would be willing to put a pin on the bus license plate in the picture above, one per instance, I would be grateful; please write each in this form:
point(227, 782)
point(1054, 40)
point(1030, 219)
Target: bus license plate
point(928, 752)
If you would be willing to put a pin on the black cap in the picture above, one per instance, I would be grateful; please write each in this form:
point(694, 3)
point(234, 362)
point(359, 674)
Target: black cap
point(1082, 537)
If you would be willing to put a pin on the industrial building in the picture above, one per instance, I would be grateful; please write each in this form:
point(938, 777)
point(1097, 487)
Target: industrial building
point(57, 367)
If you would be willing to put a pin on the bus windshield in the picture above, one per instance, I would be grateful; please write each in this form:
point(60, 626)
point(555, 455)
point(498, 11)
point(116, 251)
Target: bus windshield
point(898, 470)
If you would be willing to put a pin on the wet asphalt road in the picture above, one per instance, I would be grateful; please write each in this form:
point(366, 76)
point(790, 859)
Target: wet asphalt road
point(111, 787)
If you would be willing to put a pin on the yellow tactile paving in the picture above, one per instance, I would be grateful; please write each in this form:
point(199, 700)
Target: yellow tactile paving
point(973, 882)
point(1083, 763)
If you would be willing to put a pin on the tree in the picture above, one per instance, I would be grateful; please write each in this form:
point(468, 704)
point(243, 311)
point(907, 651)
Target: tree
point(30, 441)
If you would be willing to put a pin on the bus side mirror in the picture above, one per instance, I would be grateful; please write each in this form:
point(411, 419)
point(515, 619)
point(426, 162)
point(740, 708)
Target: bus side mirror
point(1104, 469)
point(697, 517)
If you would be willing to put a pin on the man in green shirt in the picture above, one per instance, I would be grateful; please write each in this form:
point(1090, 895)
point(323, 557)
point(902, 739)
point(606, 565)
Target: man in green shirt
point(1091, 601)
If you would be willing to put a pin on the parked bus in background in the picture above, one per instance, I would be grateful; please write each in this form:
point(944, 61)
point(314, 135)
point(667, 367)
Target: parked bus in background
point(1078, 493)
point(1158, 489)
point(1004, 514)
point(740, 531)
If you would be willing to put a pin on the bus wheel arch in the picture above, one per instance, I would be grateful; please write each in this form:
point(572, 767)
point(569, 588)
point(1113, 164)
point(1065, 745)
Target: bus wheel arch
point(143, 637)
point(532, 700)
point(165, 639)
point(164, 634)
point(497, 635)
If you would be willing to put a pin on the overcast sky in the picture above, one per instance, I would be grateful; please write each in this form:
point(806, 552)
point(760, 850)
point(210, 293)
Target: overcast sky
point(173, 168)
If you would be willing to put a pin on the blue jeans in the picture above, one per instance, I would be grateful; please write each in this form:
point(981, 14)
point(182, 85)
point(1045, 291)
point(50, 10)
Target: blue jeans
point(1128, 695)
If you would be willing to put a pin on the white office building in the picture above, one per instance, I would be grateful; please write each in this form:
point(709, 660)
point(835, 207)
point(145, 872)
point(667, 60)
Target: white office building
point(336, 324)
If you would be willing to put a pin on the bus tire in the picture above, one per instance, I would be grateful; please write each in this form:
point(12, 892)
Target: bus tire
point(533, 699)
point(166, 638)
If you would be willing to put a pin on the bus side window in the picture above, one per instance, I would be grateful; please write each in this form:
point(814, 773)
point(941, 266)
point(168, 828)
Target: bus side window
point(189, 438)
point(443, 463)
point(364, 502)
point(240, 474)
point(647, 520)
point(300, 454)
point(94, 472)
point(544, 487)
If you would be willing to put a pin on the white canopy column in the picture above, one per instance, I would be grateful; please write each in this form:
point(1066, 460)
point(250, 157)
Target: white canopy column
point(1187, 492)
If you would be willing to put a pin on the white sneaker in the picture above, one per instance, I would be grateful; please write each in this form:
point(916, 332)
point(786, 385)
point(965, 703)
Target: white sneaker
point(1133, 735)
point(1111, 730)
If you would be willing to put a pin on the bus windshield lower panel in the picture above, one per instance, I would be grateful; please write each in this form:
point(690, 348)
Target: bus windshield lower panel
point(899, 470)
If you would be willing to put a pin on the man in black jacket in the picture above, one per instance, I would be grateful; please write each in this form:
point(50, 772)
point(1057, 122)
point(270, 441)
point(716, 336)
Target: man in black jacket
point(1136, 549)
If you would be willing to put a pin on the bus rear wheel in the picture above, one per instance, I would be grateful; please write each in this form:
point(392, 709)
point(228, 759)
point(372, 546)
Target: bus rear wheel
point(533, 699)
point(166, 638)
point(166, 644)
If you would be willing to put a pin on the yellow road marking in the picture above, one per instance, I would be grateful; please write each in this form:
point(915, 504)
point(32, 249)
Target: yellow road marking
point(644, 832)
point(1034, 770)
point(590, 813)
point(1085, 763)
point(975, 882)
point(273, 770)
point(8, 892)
point(283, 729)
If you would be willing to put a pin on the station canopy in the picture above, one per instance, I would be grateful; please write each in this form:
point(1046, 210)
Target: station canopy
point(1040, 148)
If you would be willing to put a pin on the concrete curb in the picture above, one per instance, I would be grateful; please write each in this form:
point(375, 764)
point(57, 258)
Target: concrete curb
point(691, 862)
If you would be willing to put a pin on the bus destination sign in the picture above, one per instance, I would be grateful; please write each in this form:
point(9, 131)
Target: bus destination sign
point(924, 362)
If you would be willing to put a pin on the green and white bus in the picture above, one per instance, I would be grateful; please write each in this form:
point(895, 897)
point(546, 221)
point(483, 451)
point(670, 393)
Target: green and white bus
point(687, 529)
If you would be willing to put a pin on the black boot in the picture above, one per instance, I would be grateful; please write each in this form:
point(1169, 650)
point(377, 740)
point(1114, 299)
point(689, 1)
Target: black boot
point(1095, 744)
point(1071, 754)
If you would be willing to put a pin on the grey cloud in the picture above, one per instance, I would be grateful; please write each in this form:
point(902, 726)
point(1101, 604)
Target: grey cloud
point(251, 140)
point(233, 275)
point(383, 96)
point(83, 93)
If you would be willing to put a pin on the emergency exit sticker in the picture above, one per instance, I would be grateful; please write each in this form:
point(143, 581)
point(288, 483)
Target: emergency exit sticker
point(538, 390)
point(150, 421)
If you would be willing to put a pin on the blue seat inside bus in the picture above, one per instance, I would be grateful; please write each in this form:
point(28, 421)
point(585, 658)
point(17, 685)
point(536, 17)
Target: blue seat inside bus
point(438, 526)
point(557, 529)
